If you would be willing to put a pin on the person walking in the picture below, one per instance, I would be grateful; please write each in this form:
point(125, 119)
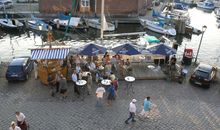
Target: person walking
point(132, 111)
point(147, 106)
point(115, 84)
point(89, 83)
point(20, 117)
point(51, 83)
point(111, 94)
point(57, 78)
point(35, 70)
point(14, 127)
point(63, 86)
point(99, 94)
point(74, 79)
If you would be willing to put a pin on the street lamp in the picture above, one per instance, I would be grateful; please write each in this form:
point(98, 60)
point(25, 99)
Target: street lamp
point(204, 27)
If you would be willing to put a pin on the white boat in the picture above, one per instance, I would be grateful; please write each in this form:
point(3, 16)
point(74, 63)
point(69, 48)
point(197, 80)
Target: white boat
point(38, 25)
point(63, 21)
point(188, 2)
point(96, 23)
point(217, 13)
point(218, 23)
point(216, 3)
point(11, 24)
point(158, 27)
point(207, 4)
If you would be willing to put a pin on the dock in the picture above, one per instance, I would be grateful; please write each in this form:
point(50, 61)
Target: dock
point(124, 34)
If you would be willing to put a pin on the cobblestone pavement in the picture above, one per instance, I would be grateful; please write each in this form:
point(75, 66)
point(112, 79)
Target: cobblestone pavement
point(181, 106)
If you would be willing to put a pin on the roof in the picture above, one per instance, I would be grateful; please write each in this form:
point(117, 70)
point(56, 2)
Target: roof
point(18, 61)
point(49, 53)
point(205, 67)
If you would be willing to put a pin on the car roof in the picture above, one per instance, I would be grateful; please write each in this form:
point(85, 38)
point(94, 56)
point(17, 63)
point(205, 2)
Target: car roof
point(205, 67)
point(18, 61)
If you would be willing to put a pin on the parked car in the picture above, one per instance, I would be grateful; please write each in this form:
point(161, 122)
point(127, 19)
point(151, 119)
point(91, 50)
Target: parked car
point(6, 4)
point(203, 75)
point(19, 69)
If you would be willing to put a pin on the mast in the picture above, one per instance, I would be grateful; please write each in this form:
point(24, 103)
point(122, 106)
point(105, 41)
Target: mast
point(102, 19)
point(95, 7)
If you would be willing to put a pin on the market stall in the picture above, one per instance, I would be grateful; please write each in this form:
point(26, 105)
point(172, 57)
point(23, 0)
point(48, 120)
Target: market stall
point(50, 61)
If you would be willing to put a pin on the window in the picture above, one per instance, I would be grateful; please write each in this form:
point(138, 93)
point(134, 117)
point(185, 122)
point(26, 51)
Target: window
point(85, 3)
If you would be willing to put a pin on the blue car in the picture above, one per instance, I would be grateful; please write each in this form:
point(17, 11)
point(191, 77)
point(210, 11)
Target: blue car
point(19, 69)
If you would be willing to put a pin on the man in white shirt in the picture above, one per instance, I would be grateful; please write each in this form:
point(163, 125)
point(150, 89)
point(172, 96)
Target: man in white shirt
point(92, 66)
point(74, 79)
point(78, 68)
point(99, 94)
point(21, 120)
point(14, 127)
point(132, 111)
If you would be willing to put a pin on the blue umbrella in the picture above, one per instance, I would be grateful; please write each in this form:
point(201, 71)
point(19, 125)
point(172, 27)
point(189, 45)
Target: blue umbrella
point(162, 49)
point(126, 49)
point(92, 50)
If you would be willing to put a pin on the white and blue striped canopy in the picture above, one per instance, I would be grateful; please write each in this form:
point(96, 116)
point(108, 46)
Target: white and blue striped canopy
point(49, 54)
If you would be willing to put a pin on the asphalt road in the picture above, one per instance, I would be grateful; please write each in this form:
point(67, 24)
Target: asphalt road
point(181, 106)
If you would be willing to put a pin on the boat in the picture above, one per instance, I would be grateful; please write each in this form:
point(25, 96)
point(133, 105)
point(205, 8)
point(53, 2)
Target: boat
point(190, 3)
point(96, 23)
point(207, 4)
point(218, 23)
point(180, 6)
point(158, 26)
point(176, 14)
point(38, 25)
point(217, 13)
point(216, 3)
point(64, 21)
point(11, 24)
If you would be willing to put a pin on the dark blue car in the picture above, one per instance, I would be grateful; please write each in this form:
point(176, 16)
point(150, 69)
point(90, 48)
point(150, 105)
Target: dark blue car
point(19, 69)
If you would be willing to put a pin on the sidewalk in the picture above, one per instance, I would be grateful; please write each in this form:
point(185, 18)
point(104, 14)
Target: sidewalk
point(181, 106)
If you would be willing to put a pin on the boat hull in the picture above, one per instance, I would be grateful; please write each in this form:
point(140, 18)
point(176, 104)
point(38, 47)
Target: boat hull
point(81, 28)
point(153, 27)
point(11, 25)
point(203, 6)
point(33, 26)
point(95, 23)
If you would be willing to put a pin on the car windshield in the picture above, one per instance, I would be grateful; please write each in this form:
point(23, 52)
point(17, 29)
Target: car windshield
point(202, 74)
point(15, 69)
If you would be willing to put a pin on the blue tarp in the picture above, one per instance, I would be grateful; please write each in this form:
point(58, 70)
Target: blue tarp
point(162, 49)
point(151, 39)
point(39, 22)
point(92, 50)
point(63, 16)
point(126, 49)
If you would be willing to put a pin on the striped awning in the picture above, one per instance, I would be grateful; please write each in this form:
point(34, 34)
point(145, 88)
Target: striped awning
point(49, 54)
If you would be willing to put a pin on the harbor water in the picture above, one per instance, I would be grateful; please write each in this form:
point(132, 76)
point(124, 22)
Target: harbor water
point(19, 44)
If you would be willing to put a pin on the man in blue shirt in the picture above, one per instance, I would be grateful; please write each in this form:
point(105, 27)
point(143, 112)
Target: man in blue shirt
point(111, 94)
point(147, 104)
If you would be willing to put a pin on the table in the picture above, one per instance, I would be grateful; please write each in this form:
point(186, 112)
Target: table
point(106, 82)
point(129, 85)
point(151, 67)
point(81, 84)
point(129, 79)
